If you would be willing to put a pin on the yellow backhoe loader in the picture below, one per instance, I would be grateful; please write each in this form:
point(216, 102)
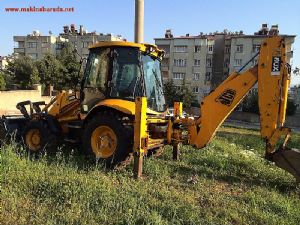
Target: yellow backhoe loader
point(121, 107)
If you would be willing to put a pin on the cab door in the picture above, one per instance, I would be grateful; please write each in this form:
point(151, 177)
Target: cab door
point(94, 86)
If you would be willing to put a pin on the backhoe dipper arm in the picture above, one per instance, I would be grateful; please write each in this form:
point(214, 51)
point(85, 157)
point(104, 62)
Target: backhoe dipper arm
point(273, 82)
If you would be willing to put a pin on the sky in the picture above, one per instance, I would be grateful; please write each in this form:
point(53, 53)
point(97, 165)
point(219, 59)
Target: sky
point(182, 16)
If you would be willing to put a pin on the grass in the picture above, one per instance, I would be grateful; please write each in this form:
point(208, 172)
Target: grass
point(227, 182)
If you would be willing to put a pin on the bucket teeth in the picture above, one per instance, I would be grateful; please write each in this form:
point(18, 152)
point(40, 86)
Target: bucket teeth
point(289, 160)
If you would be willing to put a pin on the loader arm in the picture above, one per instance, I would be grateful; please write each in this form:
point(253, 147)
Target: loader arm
point(273, 78)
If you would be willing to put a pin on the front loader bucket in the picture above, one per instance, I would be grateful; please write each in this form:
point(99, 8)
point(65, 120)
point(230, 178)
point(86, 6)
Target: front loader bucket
point(289, 160)
point(12, 126)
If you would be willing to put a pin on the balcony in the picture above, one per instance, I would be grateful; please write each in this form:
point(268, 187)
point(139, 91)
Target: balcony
point(45, 50)
point(164, 68)
point(19, 50)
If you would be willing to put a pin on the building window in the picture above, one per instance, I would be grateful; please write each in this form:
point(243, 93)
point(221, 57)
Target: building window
point(255, 48)
point(165, 74)
point(73, 43)
point(196, 76)
point(59, 45)
point(196, 90)
point(226, 63)
point(32, 44)
point(33, 55)
point(178, 76)
point(45, 44)
point(197, 48)
point(210, 48)
point(196, 62)
point(227, 49)
point(179, 88)
point(180, 62)
point(206, 93)
point(21, 44)
point(85, 44)
point(180, 48)
point(208, 76)
point(209, 62)
point(238, 62)
point(239, 48)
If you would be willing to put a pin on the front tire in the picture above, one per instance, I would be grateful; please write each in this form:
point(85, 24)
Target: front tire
point(37, 137)
point(107, 138)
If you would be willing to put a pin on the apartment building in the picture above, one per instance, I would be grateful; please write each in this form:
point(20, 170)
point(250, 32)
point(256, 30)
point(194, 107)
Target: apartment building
point(81, 39)
point(210, 58)
point(36, 45)
point(245, 47)
point(186, 61)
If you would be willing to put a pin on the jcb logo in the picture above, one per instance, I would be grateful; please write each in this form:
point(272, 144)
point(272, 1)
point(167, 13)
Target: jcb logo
point(227, 97)
point(276, 64)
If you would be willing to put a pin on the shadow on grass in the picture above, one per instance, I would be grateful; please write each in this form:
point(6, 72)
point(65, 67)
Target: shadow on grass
point(204, 168)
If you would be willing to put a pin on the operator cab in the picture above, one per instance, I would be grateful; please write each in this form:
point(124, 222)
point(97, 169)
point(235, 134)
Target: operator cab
point(123, 70)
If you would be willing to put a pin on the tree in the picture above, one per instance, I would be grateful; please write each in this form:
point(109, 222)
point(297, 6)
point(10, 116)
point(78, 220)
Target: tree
point(50, 70)
point(186, 95)
point(291, 107)
point(250, 104)
point(171, 92)
point(296, 71)
point(23, 71)
point(2, 82)
point(182, 94)
point(70, 74)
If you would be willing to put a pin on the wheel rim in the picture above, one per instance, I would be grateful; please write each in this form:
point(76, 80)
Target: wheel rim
point(103, 142)
point(33, 139)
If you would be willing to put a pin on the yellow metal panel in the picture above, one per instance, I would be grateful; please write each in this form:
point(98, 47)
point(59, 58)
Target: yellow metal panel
point(177, 109)
point(65, 107)
point(115, 44)
point(140, 125)
point(127, 107)
point(272, 85)
point(278, 133)
point(143, 47)
point(217, 106)
point(169, 131)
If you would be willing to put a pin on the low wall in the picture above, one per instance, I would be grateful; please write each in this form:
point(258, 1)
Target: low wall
point(291, 121)
point(9, 99)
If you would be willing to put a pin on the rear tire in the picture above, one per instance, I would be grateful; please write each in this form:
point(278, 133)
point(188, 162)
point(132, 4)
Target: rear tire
point(107, 139)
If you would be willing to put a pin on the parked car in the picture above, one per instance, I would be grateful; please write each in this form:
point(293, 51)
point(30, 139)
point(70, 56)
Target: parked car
point(171, 112)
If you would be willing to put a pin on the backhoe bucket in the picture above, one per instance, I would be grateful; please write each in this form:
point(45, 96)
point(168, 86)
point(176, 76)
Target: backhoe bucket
point(289, 160)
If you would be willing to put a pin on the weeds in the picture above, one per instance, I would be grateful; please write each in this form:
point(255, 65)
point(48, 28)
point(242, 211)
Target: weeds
point(227, 182)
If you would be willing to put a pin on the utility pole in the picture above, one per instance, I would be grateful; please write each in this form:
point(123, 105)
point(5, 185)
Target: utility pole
point(139, 21)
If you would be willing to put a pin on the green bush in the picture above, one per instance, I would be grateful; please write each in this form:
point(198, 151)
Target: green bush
point(2, 82)
point(291, 107)
point(250, 104)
